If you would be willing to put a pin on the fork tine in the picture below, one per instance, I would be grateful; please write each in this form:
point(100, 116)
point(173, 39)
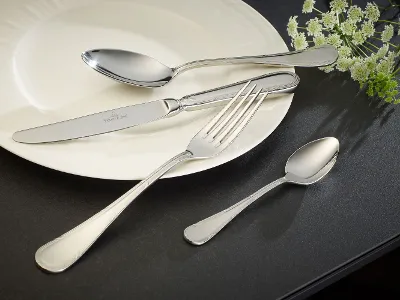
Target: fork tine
point(237, 118)
point(213, 133)
point(210, 125)
point(242, 124)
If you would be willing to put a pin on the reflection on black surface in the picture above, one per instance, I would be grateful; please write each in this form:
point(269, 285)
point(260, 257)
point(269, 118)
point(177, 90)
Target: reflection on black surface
point(351, 113)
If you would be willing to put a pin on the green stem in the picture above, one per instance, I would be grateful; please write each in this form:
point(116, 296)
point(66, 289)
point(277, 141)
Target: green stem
point(372, 45)
point(362, 51)
point(388, 7)
point(356, 49)
point(351, 46)
point(387, 21)
point(375, 38)
point(390, 1)
point(368, 48)
point(395, 71)
point(316, 9)
point(305, 28)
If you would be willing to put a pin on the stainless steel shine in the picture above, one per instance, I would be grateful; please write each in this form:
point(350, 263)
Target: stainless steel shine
point(133, 115)
point(142, 70)
point(307, 165)
point(217, 135)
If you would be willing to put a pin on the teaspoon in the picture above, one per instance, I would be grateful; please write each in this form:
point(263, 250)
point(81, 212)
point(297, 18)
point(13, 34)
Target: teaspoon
point(142, 70)
point(305, 166)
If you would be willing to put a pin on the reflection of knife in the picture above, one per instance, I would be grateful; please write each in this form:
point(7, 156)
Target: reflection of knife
point(128, 116)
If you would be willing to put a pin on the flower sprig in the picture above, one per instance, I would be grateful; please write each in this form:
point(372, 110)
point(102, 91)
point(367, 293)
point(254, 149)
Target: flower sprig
point(369, 55)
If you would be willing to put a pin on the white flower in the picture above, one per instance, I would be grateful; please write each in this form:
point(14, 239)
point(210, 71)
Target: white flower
point(343, 64)
point(292, 26)
point(386, 65)
point(334, 40)
point(308, 6)
point(357, 59)
point(358, 38)
point(354, 14)
point(359, 72)
point(339, 6)
point(319, 40)
point(390, 58)
point(348, 27)
point(387, 33)
point(314, 28)
point(391, 55)
point(383, 67)
point(299, 41)
point(370, 63)
point(372, 12)
point(327, 69)
point(368, 29)
point(382, 51)
point(329, 20)
point(344, 51)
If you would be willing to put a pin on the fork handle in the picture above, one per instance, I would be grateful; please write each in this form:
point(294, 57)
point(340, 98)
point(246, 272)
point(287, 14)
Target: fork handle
point(61, 253)
point(203, 231)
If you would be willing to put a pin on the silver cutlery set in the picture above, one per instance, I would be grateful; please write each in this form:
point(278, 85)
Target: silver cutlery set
point(239, 102)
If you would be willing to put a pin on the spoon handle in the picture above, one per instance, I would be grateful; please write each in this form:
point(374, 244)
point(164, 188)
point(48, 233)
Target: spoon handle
point(310, 57)
point(203, 231)
point(64, 251)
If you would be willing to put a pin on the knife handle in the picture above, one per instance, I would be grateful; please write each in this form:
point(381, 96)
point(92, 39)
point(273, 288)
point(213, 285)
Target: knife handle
point(272, 83)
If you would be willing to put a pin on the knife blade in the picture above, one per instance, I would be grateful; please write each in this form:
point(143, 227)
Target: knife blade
point(133, 115)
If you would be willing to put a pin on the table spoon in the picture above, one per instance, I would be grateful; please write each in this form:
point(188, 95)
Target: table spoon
point(307, 165)
point(142, 70)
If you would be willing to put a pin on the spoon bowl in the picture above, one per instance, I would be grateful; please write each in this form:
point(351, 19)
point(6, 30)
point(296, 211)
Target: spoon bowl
point(312, 162)
point(145, 71)
point(128, 67)
point(291, 178)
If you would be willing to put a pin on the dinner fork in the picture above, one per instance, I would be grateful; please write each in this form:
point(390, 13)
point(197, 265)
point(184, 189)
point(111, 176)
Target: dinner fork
point(62, 252)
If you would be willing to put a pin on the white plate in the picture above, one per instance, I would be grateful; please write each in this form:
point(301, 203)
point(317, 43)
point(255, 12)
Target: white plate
point(43, 78)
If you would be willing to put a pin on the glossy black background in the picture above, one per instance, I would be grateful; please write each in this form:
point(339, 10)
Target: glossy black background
point(291, 238)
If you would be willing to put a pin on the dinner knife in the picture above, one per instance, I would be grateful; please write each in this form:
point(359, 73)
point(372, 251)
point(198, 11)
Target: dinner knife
point(133, 115)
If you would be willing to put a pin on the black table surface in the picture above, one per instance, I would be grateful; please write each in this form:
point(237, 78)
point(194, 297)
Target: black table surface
point(291, 244)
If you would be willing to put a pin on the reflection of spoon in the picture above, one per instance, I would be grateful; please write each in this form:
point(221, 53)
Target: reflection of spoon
point(307, 165)
point(142, 70)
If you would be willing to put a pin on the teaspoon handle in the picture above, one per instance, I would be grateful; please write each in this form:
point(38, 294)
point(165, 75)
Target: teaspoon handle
point(311, 57)
point(203, 231)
